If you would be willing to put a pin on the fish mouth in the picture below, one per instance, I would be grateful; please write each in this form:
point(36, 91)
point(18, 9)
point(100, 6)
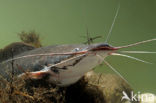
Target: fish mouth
point(104, 47)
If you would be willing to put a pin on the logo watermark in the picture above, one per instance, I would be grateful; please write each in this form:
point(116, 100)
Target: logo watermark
point(138, 97)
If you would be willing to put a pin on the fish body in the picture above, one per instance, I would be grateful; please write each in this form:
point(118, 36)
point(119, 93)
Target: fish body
point(62, 69)
point(63, 65)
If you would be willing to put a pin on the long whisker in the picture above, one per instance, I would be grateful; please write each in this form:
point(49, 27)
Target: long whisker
point(110, 30)
point(64, 61)
point(100, 57)
point(48, 54)
point(50, 66)
point(139, 52)
point(134, 44)
point(115, 71)
point(130, 57)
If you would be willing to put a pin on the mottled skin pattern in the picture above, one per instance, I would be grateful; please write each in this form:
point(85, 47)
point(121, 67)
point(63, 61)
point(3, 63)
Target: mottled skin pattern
point(62, 74)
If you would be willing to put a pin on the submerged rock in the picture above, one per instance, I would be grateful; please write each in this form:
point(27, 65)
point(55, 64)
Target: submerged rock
point(90, 89)
point(14, 49)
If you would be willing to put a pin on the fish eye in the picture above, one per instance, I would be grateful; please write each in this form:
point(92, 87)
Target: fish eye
point(76, 49)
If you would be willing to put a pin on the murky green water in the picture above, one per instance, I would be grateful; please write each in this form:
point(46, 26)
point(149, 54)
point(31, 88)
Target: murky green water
point(65, 21)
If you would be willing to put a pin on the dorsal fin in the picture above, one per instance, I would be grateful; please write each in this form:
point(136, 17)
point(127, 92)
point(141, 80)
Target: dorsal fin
point(14, 48)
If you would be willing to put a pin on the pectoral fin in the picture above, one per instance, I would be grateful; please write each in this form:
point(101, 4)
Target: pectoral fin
point(34, 75)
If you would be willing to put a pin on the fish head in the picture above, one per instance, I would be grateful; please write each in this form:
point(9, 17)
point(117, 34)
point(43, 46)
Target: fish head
point(102, 49)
